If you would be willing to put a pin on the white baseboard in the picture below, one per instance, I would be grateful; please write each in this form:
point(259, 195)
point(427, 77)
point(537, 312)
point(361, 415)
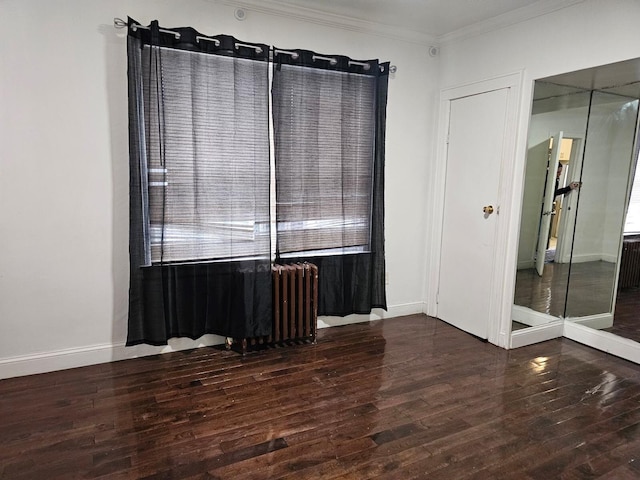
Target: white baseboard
point(530, 317)
point(376, 314)
point(594, 257)
point(525, 264)
point(600, 321)
point(540, 333)
point(62, 359)
point(604, 341)
point(93, 354)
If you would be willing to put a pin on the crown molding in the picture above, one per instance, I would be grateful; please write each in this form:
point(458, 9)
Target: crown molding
point(538, 9)
point(327, 19)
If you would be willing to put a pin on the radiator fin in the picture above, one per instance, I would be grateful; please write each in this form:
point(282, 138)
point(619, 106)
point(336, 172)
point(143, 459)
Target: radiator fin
point(295, 308)
point(630, 264)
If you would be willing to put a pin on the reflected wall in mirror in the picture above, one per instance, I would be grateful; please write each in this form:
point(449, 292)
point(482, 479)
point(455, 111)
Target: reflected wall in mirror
point(601, 206)
point(571, 235)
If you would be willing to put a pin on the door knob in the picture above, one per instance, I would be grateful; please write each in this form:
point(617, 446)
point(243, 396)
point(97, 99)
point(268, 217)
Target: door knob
point(488, 210)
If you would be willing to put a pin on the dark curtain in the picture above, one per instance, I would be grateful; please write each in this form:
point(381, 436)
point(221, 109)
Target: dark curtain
point(231, 299)
point(329, 135)
point(199, 186)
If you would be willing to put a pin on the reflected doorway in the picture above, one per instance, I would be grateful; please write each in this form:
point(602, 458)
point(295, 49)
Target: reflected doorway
point(557, 251)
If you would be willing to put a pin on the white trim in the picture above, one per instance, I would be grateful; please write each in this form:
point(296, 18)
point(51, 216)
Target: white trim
point(109, 352)
point(503, 276)
point(604, 341)
point(599, 321)
point(530, 317)
point(506, 247)
point(593, 257)
point(529, 12)
point(541, 333)
point(102, 353)
point(329, 19)
point(525, 264)
point(377, 314)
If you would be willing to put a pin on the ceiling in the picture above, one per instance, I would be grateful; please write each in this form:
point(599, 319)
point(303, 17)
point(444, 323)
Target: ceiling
point(420, 19)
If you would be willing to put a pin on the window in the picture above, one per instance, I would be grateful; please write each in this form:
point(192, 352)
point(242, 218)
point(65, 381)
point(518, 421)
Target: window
point(207, 149)
point(201, 181)
point(324, 145)
point(206, 137)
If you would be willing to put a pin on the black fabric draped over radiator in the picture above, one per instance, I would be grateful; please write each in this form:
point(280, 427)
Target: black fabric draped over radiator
point(230, 299)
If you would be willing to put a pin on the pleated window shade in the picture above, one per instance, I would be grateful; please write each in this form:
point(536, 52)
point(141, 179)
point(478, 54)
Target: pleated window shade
point(207, 141)
point(324, 127)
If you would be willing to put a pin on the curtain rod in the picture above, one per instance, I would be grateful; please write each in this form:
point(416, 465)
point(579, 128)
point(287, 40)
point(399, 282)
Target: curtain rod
point(119, 23)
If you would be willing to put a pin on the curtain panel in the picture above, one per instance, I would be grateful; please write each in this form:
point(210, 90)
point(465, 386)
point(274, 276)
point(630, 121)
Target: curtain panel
point(199, 186)
point(201, 212)
point(329, 115)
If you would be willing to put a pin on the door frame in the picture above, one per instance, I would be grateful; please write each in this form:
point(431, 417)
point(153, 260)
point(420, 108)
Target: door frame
point(502, 281)
point(547, 201)
point(567, 220)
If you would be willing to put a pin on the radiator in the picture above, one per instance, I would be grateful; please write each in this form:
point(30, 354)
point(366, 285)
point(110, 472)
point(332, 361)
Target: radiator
point(295, 308)
point(630, 263)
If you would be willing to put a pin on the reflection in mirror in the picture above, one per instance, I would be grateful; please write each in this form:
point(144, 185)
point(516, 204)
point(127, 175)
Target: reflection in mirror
point(556, 137)
point(600, 212)
point(579, 161)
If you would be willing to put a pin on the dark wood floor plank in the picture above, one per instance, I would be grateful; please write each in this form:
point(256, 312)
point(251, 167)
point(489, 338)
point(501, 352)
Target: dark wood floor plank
point(402, 398)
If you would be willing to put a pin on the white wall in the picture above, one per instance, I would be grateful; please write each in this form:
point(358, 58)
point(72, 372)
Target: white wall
point(63, 150)
point(590, 33)
point(620, 175)
point(64, 168)
point(605, 173)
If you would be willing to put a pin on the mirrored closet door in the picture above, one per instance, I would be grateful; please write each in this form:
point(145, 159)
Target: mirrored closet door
point(575, 269)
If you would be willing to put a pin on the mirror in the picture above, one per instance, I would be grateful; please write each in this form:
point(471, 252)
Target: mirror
point(601, 207)
point(580, 163)
point(559, 115)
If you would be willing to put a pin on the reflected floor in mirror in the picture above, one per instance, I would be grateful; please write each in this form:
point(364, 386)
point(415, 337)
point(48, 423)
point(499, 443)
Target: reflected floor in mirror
point(591, 284)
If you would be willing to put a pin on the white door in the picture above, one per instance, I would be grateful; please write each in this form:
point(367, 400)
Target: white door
point(533, 195)
point(547, 202)
point(473, 168)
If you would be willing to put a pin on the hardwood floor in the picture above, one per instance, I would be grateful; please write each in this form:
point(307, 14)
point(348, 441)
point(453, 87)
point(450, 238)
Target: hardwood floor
point(546, 293)
point(405, 398)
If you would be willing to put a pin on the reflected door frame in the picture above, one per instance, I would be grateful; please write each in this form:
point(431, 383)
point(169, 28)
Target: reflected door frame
point(567, 220)
point(547, 202)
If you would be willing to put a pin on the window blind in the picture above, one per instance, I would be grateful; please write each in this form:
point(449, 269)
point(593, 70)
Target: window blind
point(324, 133)
point(207, 148)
